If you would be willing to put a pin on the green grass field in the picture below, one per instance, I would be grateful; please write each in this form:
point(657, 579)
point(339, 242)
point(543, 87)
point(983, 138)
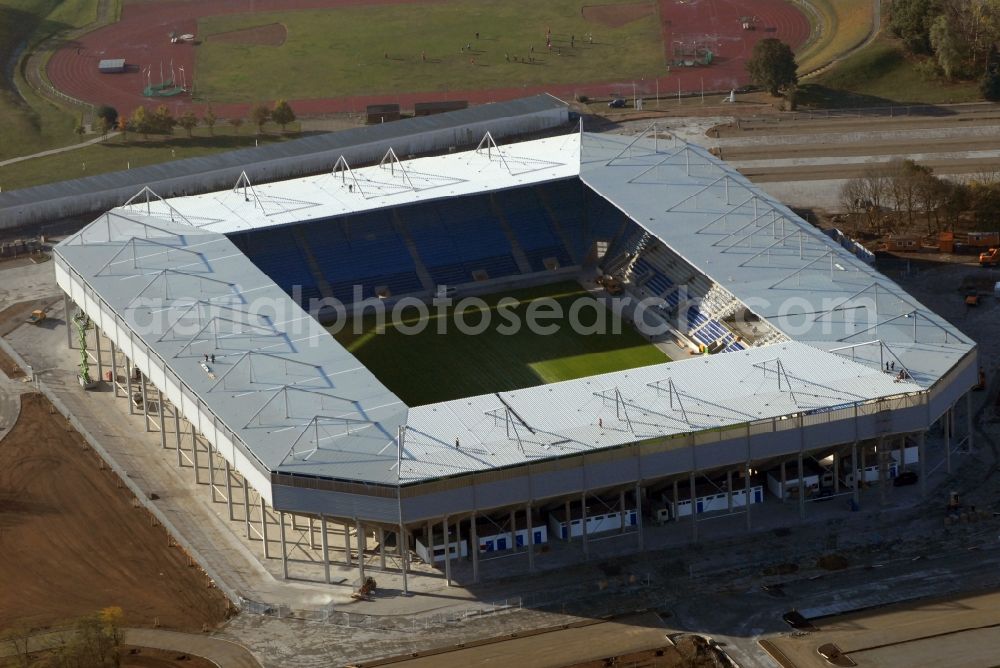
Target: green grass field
point(343, 52)
point(116, 154)
point(429, 367)
point(31, 124)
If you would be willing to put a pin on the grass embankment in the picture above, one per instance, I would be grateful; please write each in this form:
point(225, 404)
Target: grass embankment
point(117, 154)
point(428, 367)
point(843, 25)
point(381, 49)
point(30, 123)
point(881, 74)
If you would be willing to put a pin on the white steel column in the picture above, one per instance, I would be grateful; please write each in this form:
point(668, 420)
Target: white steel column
point(97, 347)
point(447, 551)
point(513, 530)
point(836, 472)
point(638, 515)
point(569, 523)
point(531, 538)
point(694, 507)
point(284, 555)
point(246, 506)
point(163, 417)
point(855, 494)
point(194, 454)
point(583, 525)
point(347, 543)
point(229, 489)
point(324, 542)
point(263, 527)
point(381, 547)
point(621, 509)
point(361, 550)
point(922, 456)
point(474, 546)
point(68, 310)
point(145, 404)
point(404, 556)
point(114, 369)
point(211, 469)
point(784, 482)
point(729, 490)
point(128, 385)
point(177, 435)
point(746, 490)
point(802, 487)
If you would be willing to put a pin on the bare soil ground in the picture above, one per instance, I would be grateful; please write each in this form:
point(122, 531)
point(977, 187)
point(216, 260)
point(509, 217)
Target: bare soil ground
point(9, 367)
point(72, 541)
point(272, 34)
point(615, 16)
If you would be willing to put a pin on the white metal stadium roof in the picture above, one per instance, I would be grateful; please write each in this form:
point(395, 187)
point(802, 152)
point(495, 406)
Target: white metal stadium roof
point(302, 404)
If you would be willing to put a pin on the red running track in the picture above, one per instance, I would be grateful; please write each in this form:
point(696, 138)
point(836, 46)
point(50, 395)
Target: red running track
point(141, 37)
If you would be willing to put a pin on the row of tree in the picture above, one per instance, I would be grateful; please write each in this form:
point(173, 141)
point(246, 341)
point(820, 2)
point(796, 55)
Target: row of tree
point(161, 121)
point(97, 642)
point(958, 35)
point(905, 197)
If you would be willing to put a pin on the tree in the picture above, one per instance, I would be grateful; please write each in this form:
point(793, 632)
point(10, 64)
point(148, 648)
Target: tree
point(237, 123)
point(209, 119)
point(107, 113)
point(123, 127)
point(163, 121)
point(140, 122)
point(80, 130)
point(260, 115)
point(282, 114)
point(772, 65)
point(911, 21)
point(948, 49)
point(105, 126)
point(188, 121)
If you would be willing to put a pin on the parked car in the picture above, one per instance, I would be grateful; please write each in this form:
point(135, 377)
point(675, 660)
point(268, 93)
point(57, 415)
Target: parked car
point(905, 478)
point(617, 103)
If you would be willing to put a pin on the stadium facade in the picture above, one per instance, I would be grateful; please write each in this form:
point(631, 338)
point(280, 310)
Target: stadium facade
point(816, 354)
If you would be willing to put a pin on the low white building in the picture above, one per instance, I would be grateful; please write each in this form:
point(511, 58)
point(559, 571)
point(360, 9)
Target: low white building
point(597, 522)
point(457, 548)
point(493, 538)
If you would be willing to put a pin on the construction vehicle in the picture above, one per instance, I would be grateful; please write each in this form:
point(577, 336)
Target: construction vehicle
point(366, 591)
point(990, 258)
point(36, 317)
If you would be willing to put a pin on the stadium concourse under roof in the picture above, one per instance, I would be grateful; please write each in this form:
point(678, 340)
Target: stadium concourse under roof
point(296, 402)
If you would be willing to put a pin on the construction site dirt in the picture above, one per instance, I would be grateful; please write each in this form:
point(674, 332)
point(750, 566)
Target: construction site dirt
point(73, 541)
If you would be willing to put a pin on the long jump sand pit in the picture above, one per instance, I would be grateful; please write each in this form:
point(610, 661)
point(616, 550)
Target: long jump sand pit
point(73, 542)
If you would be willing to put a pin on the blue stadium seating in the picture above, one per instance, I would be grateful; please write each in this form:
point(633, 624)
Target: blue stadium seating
point(531, 226)
point(276, 254)
point(453, 239)
point(564, 202)
point(456, 238)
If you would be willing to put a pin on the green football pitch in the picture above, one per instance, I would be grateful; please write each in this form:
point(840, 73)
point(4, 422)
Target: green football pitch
point(427, 367)
point(422, 47)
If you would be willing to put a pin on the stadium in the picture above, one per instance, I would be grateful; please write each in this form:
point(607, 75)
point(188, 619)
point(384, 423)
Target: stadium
point(743, 341)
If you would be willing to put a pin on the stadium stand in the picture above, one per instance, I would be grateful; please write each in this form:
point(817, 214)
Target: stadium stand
point(533, 228)
point(456, 241)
